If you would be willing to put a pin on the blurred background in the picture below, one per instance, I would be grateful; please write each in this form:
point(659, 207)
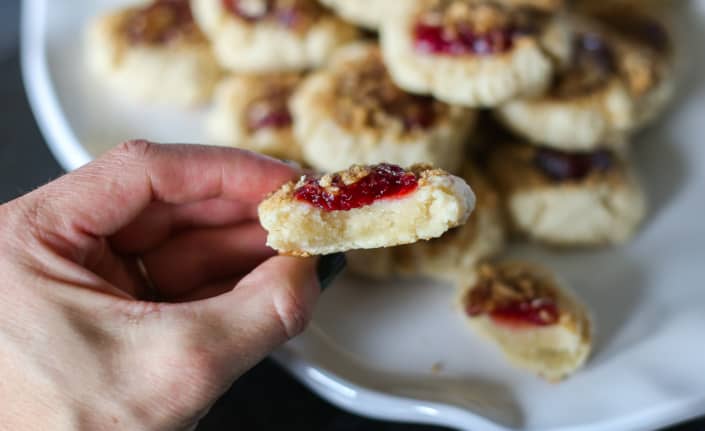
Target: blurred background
point(266, 398)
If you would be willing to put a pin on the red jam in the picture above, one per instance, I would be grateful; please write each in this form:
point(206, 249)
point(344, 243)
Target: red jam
point(537, 313)
point(274, 119)
point(431, 39)
point(271, 110)
point(384, 181)
point(561, 166)
point(161, 22)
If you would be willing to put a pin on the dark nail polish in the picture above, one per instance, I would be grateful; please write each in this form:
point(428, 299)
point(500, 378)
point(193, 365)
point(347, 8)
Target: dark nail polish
point(329, 267)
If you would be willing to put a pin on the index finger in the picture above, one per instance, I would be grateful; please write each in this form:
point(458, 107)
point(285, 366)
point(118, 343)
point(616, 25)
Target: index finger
point(105, 195)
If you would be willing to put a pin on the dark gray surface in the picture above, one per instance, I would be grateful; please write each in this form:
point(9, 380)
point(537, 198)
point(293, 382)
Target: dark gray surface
point(264, 399)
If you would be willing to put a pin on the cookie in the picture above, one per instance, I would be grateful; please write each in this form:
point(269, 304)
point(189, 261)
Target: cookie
point(458, 251)
point(365, 13)
point(568, 199)
point(352, 112)
point(536, 322)
point(271, 35)
point(153, 53)
point(252, 112)
point(645, 51)
point(364, 207)
point(475, 53)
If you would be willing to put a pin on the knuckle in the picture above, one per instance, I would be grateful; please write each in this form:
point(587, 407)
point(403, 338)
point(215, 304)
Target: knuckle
point(292, 311)
point(136, 149)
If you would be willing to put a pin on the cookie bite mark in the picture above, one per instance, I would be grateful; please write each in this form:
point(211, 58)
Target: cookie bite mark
point(512, 296)
point(364, 207)
point(537, 323)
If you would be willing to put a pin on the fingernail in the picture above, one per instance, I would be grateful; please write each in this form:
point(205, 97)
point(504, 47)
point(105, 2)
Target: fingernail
point(329, 267)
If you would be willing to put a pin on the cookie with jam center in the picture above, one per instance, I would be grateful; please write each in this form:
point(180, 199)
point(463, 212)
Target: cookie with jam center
point(252, 112)
point(352, 112)
point(568, 198)
point(364, 207)
point(261, 36)
point(154, 53)
point(474, 53)
point(538, 324)
point(449, 257)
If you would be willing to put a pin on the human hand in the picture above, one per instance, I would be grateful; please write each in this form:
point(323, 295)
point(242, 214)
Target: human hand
point(83, 342)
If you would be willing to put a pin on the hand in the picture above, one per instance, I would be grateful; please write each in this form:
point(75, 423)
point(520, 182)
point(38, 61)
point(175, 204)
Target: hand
point(81, 347)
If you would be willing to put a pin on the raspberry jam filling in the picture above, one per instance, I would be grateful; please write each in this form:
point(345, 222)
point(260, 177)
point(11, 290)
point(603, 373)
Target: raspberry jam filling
point(161, 22)
point(512, 298)
point(382, 181)
point(271, 110)
point(290, 14)
point(436, 40)
point(561, 166)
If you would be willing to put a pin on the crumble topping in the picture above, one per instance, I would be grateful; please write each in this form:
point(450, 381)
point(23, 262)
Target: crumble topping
point(592, 67)
point(270, 109)
point(162, 22)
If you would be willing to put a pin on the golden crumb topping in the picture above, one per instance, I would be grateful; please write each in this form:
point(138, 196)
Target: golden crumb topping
point(161, 22)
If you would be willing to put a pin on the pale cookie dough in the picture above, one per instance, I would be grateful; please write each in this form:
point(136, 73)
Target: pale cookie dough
point(271, 35)
point(352, 112)
point(568, 199)
point(364, 207)
point(536, 322)
point(252, 112)
point(365, 13)
point(454, 254)
point(154, 53)
point(475, 53)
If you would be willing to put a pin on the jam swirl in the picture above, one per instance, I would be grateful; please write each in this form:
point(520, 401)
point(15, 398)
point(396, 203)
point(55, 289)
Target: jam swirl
point(512, 295)
point(162, 22)
point(357, 188)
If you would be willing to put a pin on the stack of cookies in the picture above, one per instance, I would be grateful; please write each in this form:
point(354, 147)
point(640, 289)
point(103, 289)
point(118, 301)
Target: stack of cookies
point(531, 102)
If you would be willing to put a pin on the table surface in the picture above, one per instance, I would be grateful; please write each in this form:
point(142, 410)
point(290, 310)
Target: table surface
point(266, 398)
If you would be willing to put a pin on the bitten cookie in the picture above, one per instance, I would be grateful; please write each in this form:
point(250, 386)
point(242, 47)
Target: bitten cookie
point(154, 53)
point(364, 207)
point(475, 53)
point(645, 52)
point(536, 323)
point(569, 199)
point(587, 104)
point(456, 253)
point(365, 13)
point(252, 112)
point(351, 112)
point(271, 35)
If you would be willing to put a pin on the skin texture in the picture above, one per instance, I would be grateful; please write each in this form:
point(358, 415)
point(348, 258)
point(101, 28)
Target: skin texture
point(82, 348)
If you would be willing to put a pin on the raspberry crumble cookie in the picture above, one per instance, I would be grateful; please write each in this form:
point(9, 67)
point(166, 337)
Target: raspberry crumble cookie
point(475, 53)
point(252, 112)
point(458, 251)
point(352, 112)
point(153, 52)
point(536, 323)
point(568, 199)
point(271, 35)
point(364, 207)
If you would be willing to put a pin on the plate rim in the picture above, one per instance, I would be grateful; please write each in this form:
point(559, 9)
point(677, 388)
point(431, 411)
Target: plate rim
point(66, 148)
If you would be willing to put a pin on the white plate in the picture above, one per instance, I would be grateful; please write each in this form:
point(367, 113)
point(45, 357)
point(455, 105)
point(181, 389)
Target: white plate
point(371, 349)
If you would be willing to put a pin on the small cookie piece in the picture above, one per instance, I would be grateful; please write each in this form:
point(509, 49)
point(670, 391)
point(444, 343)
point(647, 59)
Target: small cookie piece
point(475, 53)
point(154, 52)
point(523, 309)
point(587, 104)
point(364, 207)
point(568, 199)
point(271, 35)
point(457, 252)
point(365, 13)
point(252, 112)
point(352, 112)
point(645, 51)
